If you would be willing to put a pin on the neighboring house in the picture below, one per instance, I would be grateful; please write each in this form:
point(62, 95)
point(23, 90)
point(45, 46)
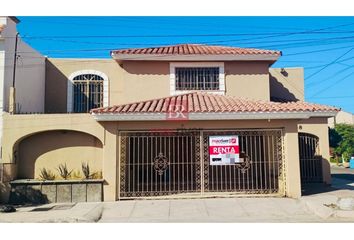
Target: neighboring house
point(185, 120)
point(29, 76)
point(341, 117)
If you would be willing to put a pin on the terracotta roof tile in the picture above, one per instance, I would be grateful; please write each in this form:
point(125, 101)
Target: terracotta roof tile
point(197, 49)
point(198, 102)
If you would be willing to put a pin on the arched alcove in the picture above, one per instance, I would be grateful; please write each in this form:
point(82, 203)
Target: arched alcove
point(48, 149)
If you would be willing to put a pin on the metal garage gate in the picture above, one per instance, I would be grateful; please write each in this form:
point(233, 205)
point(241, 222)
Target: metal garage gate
point(310, 159)
point(176, 163)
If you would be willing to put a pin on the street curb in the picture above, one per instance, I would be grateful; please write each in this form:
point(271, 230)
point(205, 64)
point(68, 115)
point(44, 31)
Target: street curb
point(92, 216)
point(344, 214)
point(319, 209)
point(316, 205)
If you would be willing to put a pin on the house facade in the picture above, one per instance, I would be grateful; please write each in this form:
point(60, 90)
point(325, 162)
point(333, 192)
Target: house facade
point(179, 121)
point(342, 117)
point(29, 76)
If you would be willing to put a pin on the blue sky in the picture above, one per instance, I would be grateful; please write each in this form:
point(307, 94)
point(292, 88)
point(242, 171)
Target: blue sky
point(324, 46)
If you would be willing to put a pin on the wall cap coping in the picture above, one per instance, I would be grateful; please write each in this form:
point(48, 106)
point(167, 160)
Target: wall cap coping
point(33, 181)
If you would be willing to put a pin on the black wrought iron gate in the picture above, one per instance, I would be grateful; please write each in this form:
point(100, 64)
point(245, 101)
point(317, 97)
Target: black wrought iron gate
point(310, 159)
point(176, 163)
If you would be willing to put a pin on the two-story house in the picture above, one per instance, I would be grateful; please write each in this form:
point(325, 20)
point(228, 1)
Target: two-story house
point(187, 120)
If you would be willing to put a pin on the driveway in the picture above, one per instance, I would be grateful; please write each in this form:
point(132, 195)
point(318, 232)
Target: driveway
point(213, 210)
point(309, 208)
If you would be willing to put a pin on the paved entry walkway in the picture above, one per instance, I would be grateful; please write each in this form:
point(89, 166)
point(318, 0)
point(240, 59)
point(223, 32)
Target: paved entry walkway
point(210, 210)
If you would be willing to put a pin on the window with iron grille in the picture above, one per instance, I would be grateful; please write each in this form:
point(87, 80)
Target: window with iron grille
point(197, 78)
point(88, 92)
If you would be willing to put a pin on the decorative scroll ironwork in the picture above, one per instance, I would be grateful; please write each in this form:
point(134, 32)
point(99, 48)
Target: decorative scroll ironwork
point(123, 144)
point(245, 164)
point(160, 163)
point(170, 163)
point(258, 174)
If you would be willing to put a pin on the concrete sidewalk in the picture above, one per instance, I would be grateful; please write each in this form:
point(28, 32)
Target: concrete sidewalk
point(306, 209)
point(212, 210)
point(316, 206)
point(55, 213)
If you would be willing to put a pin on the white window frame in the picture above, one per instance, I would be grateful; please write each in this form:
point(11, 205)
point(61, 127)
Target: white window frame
point(70, 89)
point(174, 65)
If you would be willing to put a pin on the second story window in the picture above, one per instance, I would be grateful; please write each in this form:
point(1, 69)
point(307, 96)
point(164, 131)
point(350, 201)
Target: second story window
point(87, 89)
point(197, 78)
point(88, 92)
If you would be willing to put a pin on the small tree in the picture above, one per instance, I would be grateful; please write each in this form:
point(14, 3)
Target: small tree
point(342, 140)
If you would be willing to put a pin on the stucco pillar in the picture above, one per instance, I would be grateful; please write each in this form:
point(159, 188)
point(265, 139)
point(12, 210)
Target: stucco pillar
point(12, 100)
point(110, 156)
point(324, 150)
point(292, 161)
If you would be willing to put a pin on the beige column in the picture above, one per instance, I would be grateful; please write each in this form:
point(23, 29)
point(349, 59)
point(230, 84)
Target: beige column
point(12, 100)
point(324, 150)
point(292, 161)
point(110, 158)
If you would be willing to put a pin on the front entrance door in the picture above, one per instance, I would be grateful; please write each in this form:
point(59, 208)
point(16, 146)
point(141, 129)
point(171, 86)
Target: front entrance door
point(177, 163)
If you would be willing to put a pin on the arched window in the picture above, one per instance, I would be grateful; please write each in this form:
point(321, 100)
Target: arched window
point(86, 90)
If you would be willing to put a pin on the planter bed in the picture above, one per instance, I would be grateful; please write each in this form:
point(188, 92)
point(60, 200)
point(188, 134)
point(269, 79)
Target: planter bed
point(40, 192)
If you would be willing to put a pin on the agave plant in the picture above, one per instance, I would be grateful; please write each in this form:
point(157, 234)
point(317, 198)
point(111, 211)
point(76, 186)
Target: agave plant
point(46, 174)
point(86, 170)
point(63, 171)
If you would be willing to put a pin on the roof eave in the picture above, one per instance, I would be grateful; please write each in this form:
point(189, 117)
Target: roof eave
point(212, 116)
point(195, 57)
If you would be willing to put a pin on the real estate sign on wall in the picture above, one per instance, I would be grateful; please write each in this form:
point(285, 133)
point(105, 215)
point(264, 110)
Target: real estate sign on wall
point(224, 150)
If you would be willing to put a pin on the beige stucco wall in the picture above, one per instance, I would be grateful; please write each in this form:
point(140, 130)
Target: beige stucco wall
point(132, 81)
point(19, 127)
point(129, 82)
point(59, 70)
point(341, 117)
point(30, 73)
point(247, 80)
point(287, 84)
point(49, 149)
point(319, 127)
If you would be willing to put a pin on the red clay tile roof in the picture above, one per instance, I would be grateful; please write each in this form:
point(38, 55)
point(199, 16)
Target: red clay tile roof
point(197, 102)
point(197, 49)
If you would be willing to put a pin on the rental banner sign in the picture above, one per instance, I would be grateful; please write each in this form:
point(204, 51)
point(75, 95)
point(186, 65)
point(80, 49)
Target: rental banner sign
point(224, 150)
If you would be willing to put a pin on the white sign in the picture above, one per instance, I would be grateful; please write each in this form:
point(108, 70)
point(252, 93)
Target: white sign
point(224, 150)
